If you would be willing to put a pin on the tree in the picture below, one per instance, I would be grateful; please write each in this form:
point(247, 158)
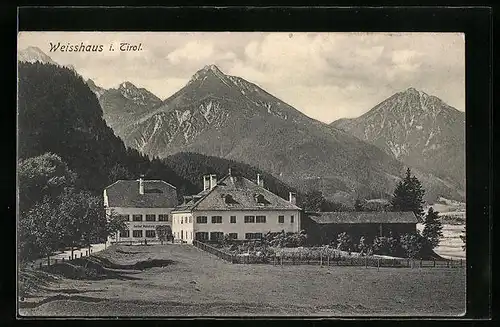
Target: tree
point(462, 237)
point(44, 175)
point(115, 224)
point(432, 228)
point(38, 230)
point(83, 218)
point(163, 232)
point(412, 244)
point(408, 196)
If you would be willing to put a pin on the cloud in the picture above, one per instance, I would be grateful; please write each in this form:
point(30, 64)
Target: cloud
point(192, 51)
point(325, 75)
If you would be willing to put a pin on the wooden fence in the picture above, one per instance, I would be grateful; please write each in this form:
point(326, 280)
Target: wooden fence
point(330, 259)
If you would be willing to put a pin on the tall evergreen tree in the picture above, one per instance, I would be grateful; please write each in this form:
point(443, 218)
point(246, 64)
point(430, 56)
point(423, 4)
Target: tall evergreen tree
point(408, 196)
point(432, 228)
point(462, 237)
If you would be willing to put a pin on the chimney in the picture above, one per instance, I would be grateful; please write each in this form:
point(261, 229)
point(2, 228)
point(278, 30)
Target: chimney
point(260, 181)
point(206, 182)
point(213, 181)
point(141, 185)
point(293, 198)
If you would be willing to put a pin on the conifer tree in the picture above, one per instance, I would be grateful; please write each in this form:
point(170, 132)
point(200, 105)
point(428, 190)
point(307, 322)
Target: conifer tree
point(432, 228)
point(408, 196)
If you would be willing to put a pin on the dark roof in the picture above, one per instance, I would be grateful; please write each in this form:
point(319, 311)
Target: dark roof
point(355, 217)
point(237, 193)
point(157, 194)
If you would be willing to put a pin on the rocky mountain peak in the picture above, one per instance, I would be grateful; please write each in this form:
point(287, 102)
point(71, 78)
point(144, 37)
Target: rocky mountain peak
point(34, 54)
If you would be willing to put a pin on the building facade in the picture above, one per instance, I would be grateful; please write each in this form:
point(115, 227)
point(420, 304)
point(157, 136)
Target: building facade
point(144, 204)
point(323, 227)
point(234, 206)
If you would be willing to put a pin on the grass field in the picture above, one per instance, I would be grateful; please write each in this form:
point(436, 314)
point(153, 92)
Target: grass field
point(194, 283)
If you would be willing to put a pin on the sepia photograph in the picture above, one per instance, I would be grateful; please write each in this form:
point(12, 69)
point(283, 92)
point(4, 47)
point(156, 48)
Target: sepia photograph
point(229, 174)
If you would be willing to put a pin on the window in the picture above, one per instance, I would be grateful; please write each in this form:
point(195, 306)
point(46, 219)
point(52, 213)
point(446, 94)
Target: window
point(137, 233)
point(232, 219)
point(136, 217)
point(150, 233)
point(260, 219)
point(233, 236)
point(124, 217)
point(201, 219)
point(216, 219)
point(215, 236)
point(182, 220)
point(291, 219)
point(253, 236)
point(150, 217)
point(125, 233)
point(186, 220)
point(249, 219)
point(162, 217)
point(201, 236)
point(281, 219)
point(190, 221)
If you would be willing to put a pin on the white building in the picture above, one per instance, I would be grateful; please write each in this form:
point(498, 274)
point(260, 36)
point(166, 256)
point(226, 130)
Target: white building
point(235, 206)
point(143, 203)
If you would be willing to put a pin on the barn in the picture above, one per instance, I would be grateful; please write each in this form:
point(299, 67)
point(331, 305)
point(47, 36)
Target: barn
point(323, 227)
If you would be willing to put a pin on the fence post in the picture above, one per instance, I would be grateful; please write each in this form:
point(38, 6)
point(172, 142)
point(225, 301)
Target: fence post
point(447, 263)
point(434, 263)
point(321, 259)
point(328, 260)
point(366, 262)
point(70, 258)
point(460, 263)
point(40, 265)
point(378, 263)
point(281, 257)
point(420, 263)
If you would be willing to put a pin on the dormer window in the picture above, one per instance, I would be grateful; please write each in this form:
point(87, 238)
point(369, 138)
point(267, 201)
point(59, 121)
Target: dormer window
point(229, 200)
point(261, 200)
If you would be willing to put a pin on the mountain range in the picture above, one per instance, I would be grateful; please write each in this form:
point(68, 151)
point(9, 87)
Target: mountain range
point(226, 116)
point(419, 129)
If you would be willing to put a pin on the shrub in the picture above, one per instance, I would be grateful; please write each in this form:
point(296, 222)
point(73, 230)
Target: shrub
point(412, 244)
point(364, 247)
point(385, 245)
point(344, 242)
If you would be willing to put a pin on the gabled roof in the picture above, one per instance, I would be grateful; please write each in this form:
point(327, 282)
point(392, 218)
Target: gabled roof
point(378, 217)
point(157, 194)
point(236, 193)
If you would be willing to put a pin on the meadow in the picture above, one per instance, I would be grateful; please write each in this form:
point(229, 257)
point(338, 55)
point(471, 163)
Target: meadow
point(181, 280)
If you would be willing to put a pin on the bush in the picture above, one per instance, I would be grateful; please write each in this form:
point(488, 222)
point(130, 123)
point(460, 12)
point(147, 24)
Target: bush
point(344, 242)
point(386, 245)
point(364, 247)
point(412, 244)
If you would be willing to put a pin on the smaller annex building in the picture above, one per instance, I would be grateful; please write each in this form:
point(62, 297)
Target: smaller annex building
point(323, 227)
point(143, 204)
point(234, 206)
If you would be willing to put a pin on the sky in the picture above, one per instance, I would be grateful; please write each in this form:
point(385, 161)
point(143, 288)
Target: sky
point(327, 76)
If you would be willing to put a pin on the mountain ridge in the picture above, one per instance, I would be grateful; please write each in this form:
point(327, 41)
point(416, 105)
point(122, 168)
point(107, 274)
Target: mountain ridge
point(419, 129)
